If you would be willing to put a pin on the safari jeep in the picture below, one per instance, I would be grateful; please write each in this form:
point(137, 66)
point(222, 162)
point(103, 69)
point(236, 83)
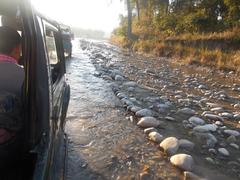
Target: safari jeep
point(45, 93)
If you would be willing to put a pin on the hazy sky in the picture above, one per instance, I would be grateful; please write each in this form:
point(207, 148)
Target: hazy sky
point(88, 14)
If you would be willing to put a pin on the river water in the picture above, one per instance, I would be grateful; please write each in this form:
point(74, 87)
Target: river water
point(104, 144)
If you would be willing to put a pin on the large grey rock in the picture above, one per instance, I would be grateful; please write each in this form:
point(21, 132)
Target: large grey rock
point(155, 137)
point(145, 112)
point(196, 120)
point(207, 138)
point(182, 161)
point(170, 145)
point(147, 122)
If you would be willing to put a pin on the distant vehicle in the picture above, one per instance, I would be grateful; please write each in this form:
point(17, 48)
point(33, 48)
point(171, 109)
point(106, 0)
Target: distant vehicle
point(46, 93)
point(67, 36)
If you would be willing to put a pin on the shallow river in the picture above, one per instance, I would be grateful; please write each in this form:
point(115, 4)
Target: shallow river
point(105, 144)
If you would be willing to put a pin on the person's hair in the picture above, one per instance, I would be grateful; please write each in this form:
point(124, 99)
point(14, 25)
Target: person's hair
point(9, 39)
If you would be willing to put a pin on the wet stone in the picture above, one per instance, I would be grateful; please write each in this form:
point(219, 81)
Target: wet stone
point(187, 111)
point(155, 137)
point(186, 144)
point(170, 145)
point(147, 122)
point(182, 161)
point(145, 112)
point(135, 109)
point(149, 130)
point(191, 176)
point(119, 78)
point(144, 176)
point(196, 120)
point(231, 139)
point(231, 132)
point(168, 118)
point(223, 151)
point(234, 146)
point(206, 128)
point(214, 117)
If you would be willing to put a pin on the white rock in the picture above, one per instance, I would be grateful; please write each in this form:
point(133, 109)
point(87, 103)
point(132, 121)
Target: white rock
point(182, 161)
point(144, 112)
point(223, 151)
point(170, 145)
point(186, 144)
point(231, 132)
point(196, 120)
point(155, 136)
point(147, 122)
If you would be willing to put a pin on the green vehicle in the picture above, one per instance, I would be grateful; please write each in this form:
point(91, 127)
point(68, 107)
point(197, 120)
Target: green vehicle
point(46, 95)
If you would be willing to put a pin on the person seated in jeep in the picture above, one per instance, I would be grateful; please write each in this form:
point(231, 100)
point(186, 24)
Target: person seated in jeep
point(11, 82)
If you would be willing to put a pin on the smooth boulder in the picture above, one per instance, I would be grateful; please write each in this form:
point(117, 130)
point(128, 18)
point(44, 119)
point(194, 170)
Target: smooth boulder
point(146, 122)
point(182, 161)
point(170, 145)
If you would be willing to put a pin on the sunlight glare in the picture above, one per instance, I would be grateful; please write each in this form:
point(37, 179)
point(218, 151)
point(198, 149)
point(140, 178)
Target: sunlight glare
point(88, 14)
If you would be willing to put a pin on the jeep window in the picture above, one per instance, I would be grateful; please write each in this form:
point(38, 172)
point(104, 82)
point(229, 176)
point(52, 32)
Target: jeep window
point(53, 56)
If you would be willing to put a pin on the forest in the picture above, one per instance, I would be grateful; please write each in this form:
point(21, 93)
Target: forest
point(195, 31)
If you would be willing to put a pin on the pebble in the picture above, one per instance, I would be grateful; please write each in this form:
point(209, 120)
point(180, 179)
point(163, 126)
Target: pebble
point(119, 78)
point(214, 117)
point(187, 175)
point(217, 109)
point(231, 139)
point(149, 130)
point(219, 123)
point(223, 151)
point(135, 109)
point(196, 120)
point(227, 115)
point(187, 111)
point(144, 176)
point(170, 145)
point(182, 161)
point(155, 137)
point(212, 151)
point(231, 132)
point(186, 144)
point(234, 145)
point(147, 122)
point(210, 160)
point(206, 128)
point(144, 112)
point(168, 118)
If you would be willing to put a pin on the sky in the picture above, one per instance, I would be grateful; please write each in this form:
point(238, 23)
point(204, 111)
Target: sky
point(88, 14)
